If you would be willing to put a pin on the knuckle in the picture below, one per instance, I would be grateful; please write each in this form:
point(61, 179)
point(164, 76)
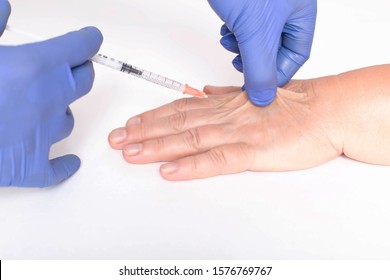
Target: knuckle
point(244, 150)
point(160, 145)
point(217, 158)
point(300, 58)
point(180, 104)
point(195, 166)
point(177, 121)
point(142, 131)
point(68, 122)
point(193, 139)
point(137, 132)
point(85, 84)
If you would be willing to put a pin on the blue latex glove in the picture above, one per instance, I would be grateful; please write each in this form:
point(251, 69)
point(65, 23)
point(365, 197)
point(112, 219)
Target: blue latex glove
point(37, 83)
point(272, 38)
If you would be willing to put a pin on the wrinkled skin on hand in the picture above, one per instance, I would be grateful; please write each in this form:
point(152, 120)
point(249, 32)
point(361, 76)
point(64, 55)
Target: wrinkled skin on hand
point(226, 133)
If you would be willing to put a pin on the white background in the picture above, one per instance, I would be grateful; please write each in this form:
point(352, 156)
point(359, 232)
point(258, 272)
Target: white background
point(114, 210)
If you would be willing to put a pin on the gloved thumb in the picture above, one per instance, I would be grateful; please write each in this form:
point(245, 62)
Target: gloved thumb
point(5, 11)
point(62, 168)
point(73, 48)
point(260, 72)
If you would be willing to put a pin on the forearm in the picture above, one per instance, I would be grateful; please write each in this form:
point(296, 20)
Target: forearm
point(365, 114)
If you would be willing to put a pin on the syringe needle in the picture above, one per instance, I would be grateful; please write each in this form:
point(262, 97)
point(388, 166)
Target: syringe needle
point(130, 69)
point(147, 75)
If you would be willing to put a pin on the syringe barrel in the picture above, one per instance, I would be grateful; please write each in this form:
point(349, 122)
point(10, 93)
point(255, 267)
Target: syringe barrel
point(107, 61)
point(138, 72)
point(162, 81)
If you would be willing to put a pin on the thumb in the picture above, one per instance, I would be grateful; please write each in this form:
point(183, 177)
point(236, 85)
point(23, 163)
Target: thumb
point(260, 72)
point(5, 11)
point(62, 168)
point(73, 48)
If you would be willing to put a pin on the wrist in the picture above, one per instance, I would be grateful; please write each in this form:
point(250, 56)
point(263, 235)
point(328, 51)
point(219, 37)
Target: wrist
point(327, 102)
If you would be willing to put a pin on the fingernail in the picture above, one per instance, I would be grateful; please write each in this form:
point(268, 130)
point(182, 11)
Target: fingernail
point(133, 121)
point(133, 150)
point(169, 168)
point(118, 136)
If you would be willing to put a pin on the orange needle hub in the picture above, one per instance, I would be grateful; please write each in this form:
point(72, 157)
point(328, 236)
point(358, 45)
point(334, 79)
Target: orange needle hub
point(194, 92)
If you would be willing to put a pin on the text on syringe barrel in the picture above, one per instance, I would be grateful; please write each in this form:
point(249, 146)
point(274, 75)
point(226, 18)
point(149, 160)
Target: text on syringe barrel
point(138, 72)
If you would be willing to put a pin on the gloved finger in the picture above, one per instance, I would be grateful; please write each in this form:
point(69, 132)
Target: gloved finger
point(260, 72)
point(225, 30)
point(229, 42)
point(61, 169)
point(62, 126)
point(237, 63)
point(73, 48)
point(288, 64)
point(51, 86)
point(5, 11)
point(84, 76)
point(295, 50)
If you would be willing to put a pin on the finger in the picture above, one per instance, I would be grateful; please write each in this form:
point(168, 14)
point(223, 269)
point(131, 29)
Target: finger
point(61, 169)
point(172, 147)
point(153, 123)
point(226, 159)
point(5, 11)
point(229, 42)
point(288, 64)
point(225, 30)
point(170, 125)
point(83, 76)
point(73, 48)
point(237, 63)
point(62, 126)
point(53, 87)
point(295, 50)
point(213, 90)
point(118, 138)
point(65, 85)
point(260, 72)
point(177, 106)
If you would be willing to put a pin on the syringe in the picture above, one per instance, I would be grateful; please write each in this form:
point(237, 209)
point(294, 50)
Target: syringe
point(147, 75)
point(132, 70)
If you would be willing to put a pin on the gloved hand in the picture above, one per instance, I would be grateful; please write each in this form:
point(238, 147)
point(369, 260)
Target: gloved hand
point(272, 38)
point(37, 83)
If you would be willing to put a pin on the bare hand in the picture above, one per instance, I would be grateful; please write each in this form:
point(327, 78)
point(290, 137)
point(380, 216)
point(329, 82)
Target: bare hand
point(226, 134)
